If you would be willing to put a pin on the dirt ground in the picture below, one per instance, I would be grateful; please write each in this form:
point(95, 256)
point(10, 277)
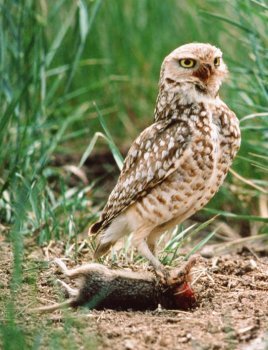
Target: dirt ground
point(232, 310)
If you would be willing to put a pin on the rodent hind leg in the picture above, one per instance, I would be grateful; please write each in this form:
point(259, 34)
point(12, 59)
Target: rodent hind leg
point(82, 270)
point(72, 292)
point(62, 266)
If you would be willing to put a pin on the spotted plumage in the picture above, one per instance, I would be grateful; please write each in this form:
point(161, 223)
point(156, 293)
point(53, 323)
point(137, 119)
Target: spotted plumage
point(178, 163)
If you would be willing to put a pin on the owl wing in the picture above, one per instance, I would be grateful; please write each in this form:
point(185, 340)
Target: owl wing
point(153, 156)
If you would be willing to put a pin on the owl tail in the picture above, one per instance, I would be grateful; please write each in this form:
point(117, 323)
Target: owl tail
point(103, 246)
point(110, 234)
point(102, 249)
point(95, 228)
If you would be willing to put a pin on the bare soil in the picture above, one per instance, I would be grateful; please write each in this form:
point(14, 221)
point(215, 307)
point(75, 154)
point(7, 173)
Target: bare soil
point(232, 311)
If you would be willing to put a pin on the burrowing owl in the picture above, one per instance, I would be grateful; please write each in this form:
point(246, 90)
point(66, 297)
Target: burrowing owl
point(178, 163)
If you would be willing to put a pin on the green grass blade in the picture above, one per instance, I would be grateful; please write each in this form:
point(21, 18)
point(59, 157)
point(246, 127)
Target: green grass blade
point(85, 25)
point(236, 216)
point(228, 20)
point(200, 245)
point(114, 149)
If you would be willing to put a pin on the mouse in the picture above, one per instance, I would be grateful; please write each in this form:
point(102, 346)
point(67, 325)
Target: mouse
point(99, 287)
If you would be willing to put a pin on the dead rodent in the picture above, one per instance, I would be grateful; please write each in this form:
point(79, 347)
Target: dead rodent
point(102, 288)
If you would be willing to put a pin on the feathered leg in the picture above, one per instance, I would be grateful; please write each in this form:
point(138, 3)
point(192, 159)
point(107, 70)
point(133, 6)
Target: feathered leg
point(139, 241)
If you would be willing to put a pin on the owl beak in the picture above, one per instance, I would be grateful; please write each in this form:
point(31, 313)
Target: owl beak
point(208, 68)
point(204, 72)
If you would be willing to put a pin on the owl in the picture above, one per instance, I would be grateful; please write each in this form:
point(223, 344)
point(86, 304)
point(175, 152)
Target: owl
point(178, 163)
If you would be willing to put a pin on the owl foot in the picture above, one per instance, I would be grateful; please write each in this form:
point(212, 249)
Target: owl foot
point(162, 274)
point(175, 276)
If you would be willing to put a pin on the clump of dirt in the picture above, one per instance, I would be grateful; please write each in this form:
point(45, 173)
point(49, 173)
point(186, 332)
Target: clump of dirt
point(232, 293)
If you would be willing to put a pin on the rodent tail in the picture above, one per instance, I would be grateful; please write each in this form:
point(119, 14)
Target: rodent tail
point(50, 308)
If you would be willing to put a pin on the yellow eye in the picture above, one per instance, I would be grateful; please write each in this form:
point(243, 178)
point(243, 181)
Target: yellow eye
point(217, 61)
point(187, 63)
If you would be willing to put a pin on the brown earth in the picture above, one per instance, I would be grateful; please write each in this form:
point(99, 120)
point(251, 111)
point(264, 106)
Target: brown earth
point(232, 311)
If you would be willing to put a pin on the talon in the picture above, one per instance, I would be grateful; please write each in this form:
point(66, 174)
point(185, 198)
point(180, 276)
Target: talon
point(163, 274)
point(175, 276)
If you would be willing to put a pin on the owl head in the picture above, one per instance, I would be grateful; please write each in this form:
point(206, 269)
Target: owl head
point(196, 66)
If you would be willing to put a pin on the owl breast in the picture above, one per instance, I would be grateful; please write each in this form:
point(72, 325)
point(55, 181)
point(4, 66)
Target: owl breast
point(216, 140)
point(203, 167)
point(199, 177)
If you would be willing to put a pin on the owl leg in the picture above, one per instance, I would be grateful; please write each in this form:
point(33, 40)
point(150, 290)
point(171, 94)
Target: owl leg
point(160, 270)
point(146, 252)
point(152, 247)
point(152, 240)
point(139, 241)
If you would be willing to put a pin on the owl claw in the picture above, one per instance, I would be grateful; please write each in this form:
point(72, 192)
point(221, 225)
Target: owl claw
point(175, 276)
point(163, 274)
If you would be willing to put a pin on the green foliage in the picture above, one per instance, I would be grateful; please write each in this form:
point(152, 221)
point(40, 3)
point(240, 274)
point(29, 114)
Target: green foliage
point(61, 59)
